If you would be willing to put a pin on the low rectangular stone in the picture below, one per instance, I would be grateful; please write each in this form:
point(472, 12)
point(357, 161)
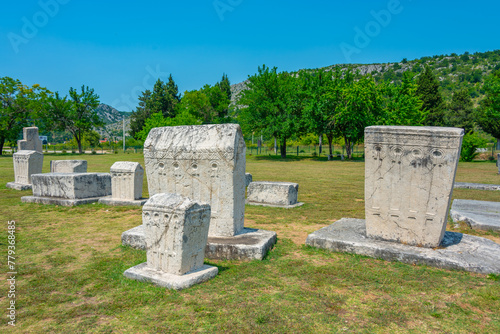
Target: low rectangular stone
point(279, 194)
point(68, 166)
point(71, 185)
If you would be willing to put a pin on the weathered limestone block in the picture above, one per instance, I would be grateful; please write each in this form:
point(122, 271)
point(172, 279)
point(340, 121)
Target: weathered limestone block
point(205, 163)
point(409, 176)
point(126, 184)
point(277, 194)
point(126, 180)
point(176, 232)
point(68, 166)
point(31, 141)
point(248, 179)
point(479, 215)
point(69, 188)
point(26, 163)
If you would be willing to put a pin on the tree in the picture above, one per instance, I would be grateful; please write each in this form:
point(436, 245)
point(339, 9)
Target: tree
point(428, 91)
point(488, 115)
point(401, 104)
point(359, 108)
point(19, 106)
point(323, 99)
point(225, 86)
point(197, 103)
point(158, 120)
point(460, 112)
point(75, 114)
point(274, 103)
point(163, 98)
point(219, 101)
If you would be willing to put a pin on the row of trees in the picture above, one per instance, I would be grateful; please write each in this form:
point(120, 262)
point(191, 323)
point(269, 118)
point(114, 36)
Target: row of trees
point(164, 106)
point(22, 106)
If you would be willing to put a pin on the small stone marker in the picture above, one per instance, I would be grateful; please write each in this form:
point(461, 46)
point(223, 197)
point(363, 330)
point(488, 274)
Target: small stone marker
point(68, 166)
point(26, 163)
point(69, 189)
point(248, 179)
point(274, 194)
point(31, 141)
point(205, 163)
point(126, 184)
point(176, 232)
point(409, 176)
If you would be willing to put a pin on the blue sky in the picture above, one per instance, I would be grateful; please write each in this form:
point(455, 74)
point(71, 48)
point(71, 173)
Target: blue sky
point(120, 48)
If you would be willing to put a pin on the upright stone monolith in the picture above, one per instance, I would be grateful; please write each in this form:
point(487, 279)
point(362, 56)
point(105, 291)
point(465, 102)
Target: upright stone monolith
point(126, 184)
point(31, 141)
point(26, 163)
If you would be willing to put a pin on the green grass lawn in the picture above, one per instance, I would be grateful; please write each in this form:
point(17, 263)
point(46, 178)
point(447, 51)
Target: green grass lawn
point(70, 266)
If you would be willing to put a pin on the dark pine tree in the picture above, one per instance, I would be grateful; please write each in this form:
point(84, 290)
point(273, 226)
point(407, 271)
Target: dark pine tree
point(461, 111)
point(428, 91)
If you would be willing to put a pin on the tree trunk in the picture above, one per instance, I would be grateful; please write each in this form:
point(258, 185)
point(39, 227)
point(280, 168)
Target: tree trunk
point(2, 142)
point(329, 136)
point(283, 148)
point(79, 142)
point(348, 148)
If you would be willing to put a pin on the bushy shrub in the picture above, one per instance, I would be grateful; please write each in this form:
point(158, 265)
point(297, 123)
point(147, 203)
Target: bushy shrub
point(470, 144)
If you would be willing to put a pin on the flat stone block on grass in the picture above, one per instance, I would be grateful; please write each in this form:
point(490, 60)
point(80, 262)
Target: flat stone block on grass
point(476, 186)
point(273, 194)
point(68, 166)
point(480, 215)
point(456, 251)
point(18, 186)
point(122, 202)
point(250, 244)
point(58, 201)
point(142, 273)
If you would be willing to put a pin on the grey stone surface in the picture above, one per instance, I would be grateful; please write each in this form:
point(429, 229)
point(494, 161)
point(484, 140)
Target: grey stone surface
point(251, 244)
point(276, 206)
point(31, 141)
point(409, 176)
point(58, 201)
point(498, 162)
point(457, 251)
point(476, 186)
point(142, 273)
point(68, 166)
point(248, 179)
point(277, 194)
point(18, 186)
point(205, 163)
point(121, 202)
point(175, 233)
point(71, 185)
point(26, 164)
point(126, 180)
point(479, 215)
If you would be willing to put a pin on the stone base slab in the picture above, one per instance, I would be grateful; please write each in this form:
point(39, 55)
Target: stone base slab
point(19, 186)
point(176, 282)
point(250, 244)
point(476, 186)
point(122, 202)
point(59, 201)
point(296, 205)
point(480, 215)
point(457, 251)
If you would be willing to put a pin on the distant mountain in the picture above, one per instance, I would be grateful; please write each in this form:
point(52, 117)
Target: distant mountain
point(454, 72)
point(110, 114)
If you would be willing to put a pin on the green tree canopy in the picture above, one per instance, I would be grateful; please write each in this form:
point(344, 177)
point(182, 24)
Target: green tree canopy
point(428, 91)
point(489, 113)
point(273, 105)
point(75, 113)
point(460, 112)
point(157, 120)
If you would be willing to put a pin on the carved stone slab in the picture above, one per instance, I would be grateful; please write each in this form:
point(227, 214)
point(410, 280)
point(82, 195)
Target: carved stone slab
point(31, 141)
point(276, 194)
point(176, 232)
point(205, 163)
point(479, 215)
point(409, 176)
point(68, 166)
point(71, 185)
point(26, 163)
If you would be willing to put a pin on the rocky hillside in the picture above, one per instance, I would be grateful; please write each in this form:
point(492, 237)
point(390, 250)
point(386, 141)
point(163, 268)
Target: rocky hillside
point(453, 71)
point(110, 114)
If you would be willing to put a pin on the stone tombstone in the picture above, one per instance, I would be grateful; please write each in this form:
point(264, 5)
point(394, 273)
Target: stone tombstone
point(68, 166)
point(31, 141)
point(27, 163)
point(266, 193)
point(71, 185)
point(205, 163)
point(176, 230)
point(126, 180)
point(409, 176)
point(248, 179)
